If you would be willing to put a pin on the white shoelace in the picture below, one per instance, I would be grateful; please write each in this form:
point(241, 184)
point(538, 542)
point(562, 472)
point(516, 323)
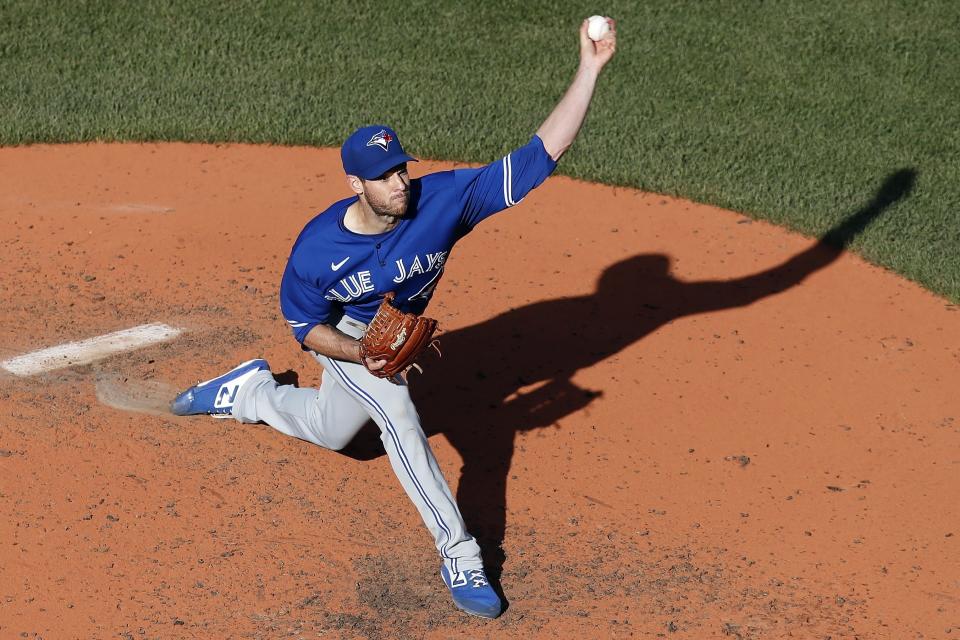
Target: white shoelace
point(478, 578)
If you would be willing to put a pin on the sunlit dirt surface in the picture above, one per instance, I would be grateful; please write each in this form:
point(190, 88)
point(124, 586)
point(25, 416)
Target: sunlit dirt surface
point(661, 420)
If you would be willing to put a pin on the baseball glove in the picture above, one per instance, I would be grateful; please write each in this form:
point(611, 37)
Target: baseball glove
point(396, 337)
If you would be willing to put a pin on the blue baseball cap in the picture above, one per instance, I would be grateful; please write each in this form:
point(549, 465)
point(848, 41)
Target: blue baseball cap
point(370, 151)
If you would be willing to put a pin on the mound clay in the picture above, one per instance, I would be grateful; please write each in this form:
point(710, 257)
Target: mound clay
point(661, 419)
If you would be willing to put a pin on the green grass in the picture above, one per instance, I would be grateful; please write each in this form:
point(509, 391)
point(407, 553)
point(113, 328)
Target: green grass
point(790, 111)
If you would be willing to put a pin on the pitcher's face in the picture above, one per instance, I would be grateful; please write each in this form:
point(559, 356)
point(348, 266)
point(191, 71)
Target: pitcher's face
point(389, 194)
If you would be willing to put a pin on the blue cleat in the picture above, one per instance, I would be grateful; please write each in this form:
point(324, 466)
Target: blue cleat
point(216, 397)
point(472, 592)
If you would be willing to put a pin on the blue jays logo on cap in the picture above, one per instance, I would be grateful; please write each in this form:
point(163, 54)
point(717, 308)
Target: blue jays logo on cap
point(371, 151)
point(381, 139)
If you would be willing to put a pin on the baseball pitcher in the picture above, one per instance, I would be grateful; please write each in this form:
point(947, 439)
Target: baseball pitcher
point(354, 291)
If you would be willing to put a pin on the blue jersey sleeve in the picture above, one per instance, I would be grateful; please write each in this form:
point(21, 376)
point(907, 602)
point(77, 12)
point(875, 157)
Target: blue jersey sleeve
point(303, 304)
point(503, 183)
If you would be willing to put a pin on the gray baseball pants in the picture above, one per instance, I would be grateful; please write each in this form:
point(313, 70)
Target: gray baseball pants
point(331, 416)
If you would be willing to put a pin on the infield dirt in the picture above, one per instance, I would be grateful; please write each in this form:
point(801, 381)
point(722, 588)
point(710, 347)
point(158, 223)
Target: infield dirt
point(661, 419)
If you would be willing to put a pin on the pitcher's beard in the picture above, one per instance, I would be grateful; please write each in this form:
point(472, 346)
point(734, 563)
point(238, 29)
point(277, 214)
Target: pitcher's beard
point(394, 209)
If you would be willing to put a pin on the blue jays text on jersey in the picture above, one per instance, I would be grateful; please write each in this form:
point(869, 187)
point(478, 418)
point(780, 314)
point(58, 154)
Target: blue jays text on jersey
point(333, 271)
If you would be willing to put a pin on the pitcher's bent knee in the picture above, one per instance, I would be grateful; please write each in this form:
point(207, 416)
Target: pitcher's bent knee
point(336, 444)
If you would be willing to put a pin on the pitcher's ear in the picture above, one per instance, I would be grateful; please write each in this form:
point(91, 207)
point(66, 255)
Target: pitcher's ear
point(355, 184)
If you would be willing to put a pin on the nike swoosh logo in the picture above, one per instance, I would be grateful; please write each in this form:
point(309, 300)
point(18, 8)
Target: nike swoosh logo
point(336, 267)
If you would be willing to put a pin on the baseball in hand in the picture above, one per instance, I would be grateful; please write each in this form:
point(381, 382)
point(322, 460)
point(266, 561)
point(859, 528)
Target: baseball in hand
point(597, 27)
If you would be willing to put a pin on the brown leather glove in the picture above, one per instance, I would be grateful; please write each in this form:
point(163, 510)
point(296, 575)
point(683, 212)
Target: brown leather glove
point(396, 337)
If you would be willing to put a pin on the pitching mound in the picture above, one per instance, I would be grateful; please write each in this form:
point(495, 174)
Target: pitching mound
point(660, 419)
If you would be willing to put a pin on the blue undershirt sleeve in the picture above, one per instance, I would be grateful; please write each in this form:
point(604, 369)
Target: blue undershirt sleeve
point(503, 183)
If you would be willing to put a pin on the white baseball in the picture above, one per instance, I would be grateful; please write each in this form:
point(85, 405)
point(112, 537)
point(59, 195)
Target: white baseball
point(597, 27)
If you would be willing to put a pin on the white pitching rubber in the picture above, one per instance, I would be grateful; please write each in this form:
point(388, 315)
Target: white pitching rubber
point(90, 350)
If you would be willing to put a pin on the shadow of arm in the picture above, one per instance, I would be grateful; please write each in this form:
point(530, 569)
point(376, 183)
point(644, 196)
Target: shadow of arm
point(711, 296)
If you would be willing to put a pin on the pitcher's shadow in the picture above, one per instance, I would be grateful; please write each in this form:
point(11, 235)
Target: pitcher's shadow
point(514, 372)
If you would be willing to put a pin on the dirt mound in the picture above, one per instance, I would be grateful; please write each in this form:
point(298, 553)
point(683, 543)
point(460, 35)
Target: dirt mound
point(660, 419)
